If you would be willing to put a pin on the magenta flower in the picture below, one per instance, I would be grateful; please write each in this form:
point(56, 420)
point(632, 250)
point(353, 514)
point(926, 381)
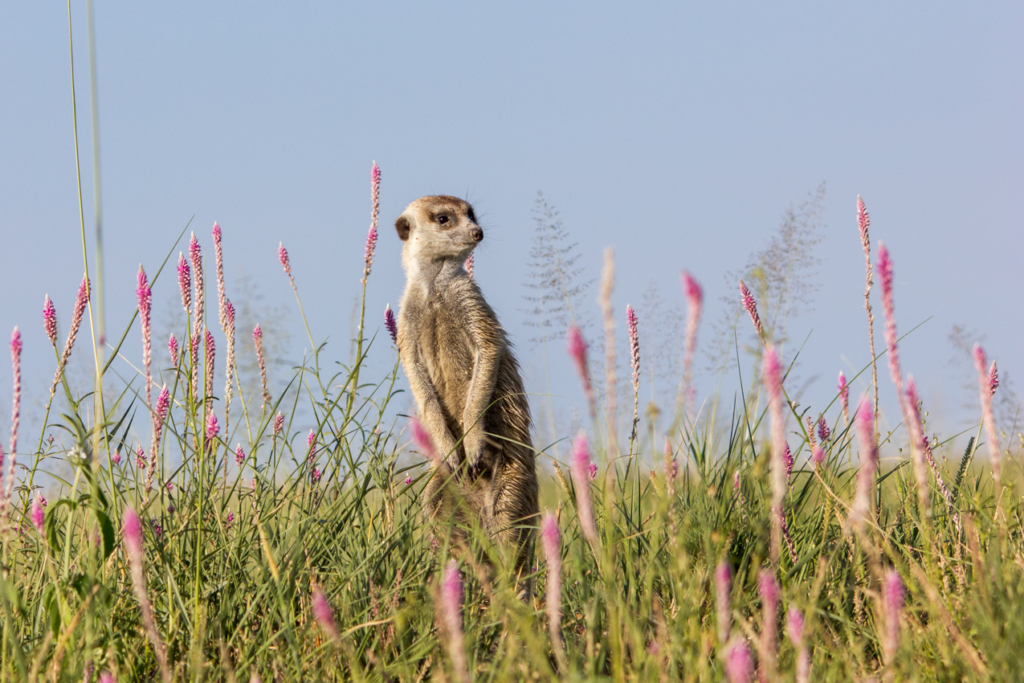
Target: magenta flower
point(450, 617)
point(578, 353)
point(750, 306)
point(196, 256)
point(737, 662)
point(311, 445)
point(131, 530)
point(993, 378)
point(795, 629)
point(239, 455)
point(469, 263)
point(593, 470)
point(371, 235)
point(723, 589)
point(550, 540)
point(315, 475)
point(861, 507)
point(988, 415)
point(390, 324)
point(278, 423)
point(229, 519)
point(145, 298)
point(818, 455)
point(194, 359)
point(580, 468)
point(779, 467)
point(172, 346)
point(823, 431)
point(768, 589)
point(50, 320)
point(844, 396)
point(257, 339)
point(163, 404)
point(116, 458)
point(282, 256)
point(634, 361)
point(892, 600)
point(218, 253)
point(408, 480)
point(885, 273)
point(140, 457)
point(211, 353)
point(38, 512)
point(863, 221)
point(922, 451)
point(76, 321)
point(228, 324)
point(212, 428)
point(107, 677)
point(695, 303)
point(421, 439)
point(788, 457)
point(323, 614)
point(185, 283)
point(15, 396)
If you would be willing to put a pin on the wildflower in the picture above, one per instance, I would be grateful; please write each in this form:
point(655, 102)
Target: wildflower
point(634, 360)
point(823, 432)
point(229, 370)
point(219, 256)
point(768, 589)
point(469, 263)
point(229, 519)
point(196, 255)
point(991, 433)
point(421, 439)
point(723, 588)
point(811, 441)
point(549, 537)
point(315, 475)
point(239, 455)
point(76, 321)
point(780, 468)
point(844, 396)
point(169, 486)
point(795, 630)
point(578, 353)
point(323, 614)
point(278, 423)
point(449, 616)
point(610, 381)
point(993, 378)
point(311, 445)
point(132, 532)
point(194, 357)
point(116, 458)
point(38, 514)
point(885, 273)
point(892, 600)
point(750, 306)
point(863, 221)
point(172, 346)
point(107, 677)
point(257, 339)
point(390, 324)
point(593, 470)
point(185, 283)
point(50, 320)
point(163, 404)
point(581, 478)
point(140, 457)
point(15, 396)
point(861, 507)
point(694, 302)
point(408, 480)
point(371, 236)
point(211, 352)
point(212, 428)
point(282, 256)
point(818, 455)
point(145, 297)
point(737, 662)
point(788, 457)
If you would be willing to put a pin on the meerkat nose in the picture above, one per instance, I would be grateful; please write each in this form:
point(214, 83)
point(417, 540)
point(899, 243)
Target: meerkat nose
point(477, 233)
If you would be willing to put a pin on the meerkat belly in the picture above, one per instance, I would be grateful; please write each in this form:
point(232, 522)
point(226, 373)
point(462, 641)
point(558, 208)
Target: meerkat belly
point(449, 355)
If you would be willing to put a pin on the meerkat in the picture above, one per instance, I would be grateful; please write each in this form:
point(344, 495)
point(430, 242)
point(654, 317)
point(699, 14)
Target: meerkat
point(465, 379)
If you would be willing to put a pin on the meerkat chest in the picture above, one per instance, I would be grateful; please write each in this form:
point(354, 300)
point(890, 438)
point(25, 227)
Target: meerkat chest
point(446, 346)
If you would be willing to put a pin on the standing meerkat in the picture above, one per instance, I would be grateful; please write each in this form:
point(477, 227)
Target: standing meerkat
point(465, 380)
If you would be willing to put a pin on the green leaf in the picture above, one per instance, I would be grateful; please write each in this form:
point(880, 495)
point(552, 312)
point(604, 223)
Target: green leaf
point(107, 531)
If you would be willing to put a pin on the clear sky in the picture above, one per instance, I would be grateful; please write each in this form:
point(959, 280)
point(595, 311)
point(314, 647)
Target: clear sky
point(674, 133)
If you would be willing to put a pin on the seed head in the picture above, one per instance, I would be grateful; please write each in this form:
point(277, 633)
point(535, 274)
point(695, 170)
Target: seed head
point(50, 320)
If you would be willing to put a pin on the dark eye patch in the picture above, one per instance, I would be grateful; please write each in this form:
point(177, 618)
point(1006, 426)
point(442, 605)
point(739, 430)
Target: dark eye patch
point(472, 214)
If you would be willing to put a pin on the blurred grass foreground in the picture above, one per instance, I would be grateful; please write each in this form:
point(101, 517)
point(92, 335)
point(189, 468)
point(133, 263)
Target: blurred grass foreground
point(776, 542)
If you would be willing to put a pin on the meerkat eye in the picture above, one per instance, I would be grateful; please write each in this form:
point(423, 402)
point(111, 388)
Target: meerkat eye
point(442, 219)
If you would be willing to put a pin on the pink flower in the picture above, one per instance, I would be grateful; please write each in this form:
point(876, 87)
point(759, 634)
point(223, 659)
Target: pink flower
point(844, 396)
point(823, 432)
point(38, 514)
point(988, 415)
point(311, 445)
point(768, 589)
point(795, 629)
point(818, 455)
point(408, 480)
point(779, 468)
point(257, 339)
point(737, 662)
point(185, 283)
point(282, 256)
point(421, 439)
point(450, 617)
point(593, 470)
point(196, 256)
point(107, 677)
point(132, 532)
point(747, 299)
point(140, 457)
point(76, 321)
point(371, 236)
point(212, 428)
point(581, 479)
point(239, 455)
point(390, 324)
point(861, 507)
point(211, 353)
point(863, 221)
point(695, 302)
point(50, 320)
point(578, 353)
point(172, 346)
point(15, 397)
point(323, 614)
point(278, 423)
point(229, 519)
point(549, 537)
point(634, 345)
point(145, 298)
point(885, 273)
point(469, 263)
point(116, 458)
point(993, 378)
point(788, 457)
point(315, 475)
point(723, 588)
point(892, 599)
point(218, 253)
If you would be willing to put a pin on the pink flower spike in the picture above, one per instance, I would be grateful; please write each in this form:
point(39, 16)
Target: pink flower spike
point(196, 256)
point(778, 467)
point(421, 439)
point(861, 507)
point(863, 222)
point(694, 302)
point(885, 273)
point(993, 378)
point(371, 235)
point(38, 514)
point(323, 614)
point(750, 306)
point(229, 519)
point(580, 469)
point(795, 629)
point(550, 540)
point(892, 599)
point(634, 344)
point(140, 457)
point(988, 416)
point(469, 264)
point(212, 428)
point(578, 353)
point(257, 339)
point(145, 298)
point(768, 589)
point(823, 431)
point(15, 398)
point(116, 458)
point(818, 455)
point(185, 283)
point(50, 320)
point(795, 625)
point(282, 256)
point(408, 480)
point(723, 590)
point(172, 346)
point(737, 662)
point(107, 677)
point(218, 253)
point(131, 529)
point(450, 609)
point(278, 423)
point(239, 455)
point(390, 324)
point(311, 445)
point(844, 396)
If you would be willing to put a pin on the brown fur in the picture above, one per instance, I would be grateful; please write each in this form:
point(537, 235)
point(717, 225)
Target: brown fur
point(465, 380)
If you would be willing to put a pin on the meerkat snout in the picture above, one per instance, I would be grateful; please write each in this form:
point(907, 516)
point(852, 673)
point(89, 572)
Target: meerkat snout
point(477, 233)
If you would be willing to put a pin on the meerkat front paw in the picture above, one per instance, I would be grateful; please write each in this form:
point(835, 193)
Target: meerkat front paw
point(474, 443)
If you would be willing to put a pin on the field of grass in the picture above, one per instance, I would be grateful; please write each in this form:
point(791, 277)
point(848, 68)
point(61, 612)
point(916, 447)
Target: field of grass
point(770, 544)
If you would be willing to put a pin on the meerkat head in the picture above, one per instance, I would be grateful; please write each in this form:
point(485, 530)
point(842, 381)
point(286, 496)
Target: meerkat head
point(439, 228)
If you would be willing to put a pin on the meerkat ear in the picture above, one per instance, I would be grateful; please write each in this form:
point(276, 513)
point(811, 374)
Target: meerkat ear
point(403, 226)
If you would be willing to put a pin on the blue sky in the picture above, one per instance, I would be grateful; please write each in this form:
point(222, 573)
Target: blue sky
point(674, 133)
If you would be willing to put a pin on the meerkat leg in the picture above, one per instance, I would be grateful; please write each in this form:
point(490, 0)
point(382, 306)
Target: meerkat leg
point(514, 520)
point(431, 413)
point(478, 399)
